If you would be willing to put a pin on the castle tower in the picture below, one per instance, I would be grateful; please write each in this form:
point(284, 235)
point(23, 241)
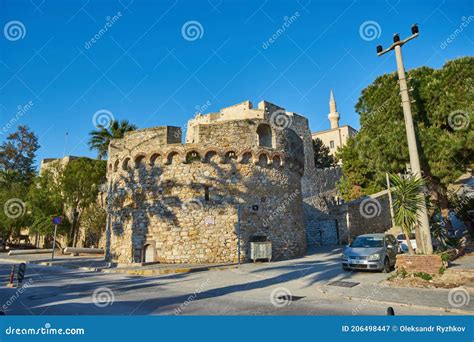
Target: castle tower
point(333, 114)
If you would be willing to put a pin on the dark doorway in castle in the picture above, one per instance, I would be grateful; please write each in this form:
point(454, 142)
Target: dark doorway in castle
point(148, 254)
point(264, 135)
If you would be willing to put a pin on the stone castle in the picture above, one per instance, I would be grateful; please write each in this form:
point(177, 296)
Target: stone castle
point(243, 174)
point(240, 176)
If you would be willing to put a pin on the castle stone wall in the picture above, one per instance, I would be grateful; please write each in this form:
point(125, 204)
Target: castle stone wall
point(176, 203)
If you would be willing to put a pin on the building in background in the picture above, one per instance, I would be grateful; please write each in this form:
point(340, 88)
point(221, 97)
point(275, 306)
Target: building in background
point(336, 136)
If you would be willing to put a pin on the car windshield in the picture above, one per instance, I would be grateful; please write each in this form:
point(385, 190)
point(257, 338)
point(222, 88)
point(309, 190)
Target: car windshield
point(402, 237)
point(367, 242)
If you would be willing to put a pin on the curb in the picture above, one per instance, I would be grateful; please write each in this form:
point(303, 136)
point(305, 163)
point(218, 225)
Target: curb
point(137, 272)
point(15, 261)
point(416, 306)
point(163, 271)
point(81, 268)
point(50, 264)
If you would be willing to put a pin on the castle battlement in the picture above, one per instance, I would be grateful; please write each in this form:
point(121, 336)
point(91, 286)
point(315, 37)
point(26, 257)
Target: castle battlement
point(178, 203)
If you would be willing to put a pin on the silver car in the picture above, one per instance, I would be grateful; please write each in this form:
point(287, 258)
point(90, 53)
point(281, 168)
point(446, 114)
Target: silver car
point(371, 252)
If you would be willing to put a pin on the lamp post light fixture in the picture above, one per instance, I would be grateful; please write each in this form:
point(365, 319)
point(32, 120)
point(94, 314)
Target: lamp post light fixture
point(427, 246)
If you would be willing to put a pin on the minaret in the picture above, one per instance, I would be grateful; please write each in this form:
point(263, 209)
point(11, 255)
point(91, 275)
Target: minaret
point(333, 114)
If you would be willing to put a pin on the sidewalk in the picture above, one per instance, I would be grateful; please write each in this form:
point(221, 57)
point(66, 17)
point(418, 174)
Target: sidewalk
point(97, 263)
point(92, 263)
point(158, 269)
point(412, 297)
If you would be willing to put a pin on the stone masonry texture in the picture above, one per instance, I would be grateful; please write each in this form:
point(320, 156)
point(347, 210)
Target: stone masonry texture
point(184, 203)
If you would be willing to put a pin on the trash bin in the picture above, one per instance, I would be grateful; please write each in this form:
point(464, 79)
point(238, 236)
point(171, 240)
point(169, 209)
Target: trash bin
point(260, 250)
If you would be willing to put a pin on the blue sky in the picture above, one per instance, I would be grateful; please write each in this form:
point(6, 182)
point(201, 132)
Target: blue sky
point(145, 69)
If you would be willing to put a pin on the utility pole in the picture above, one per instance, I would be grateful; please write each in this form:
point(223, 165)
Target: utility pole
point(410, 130)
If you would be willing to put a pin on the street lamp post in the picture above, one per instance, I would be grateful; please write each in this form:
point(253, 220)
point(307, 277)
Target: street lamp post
point(410, 130)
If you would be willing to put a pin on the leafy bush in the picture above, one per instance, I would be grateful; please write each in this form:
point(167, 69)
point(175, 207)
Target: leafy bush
point(423, 275)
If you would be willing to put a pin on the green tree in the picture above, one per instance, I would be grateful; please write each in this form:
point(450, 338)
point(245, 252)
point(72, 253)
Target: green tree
point(17, 158)
point(45, 202)
point(443, 122)
point(18, 152)
point(100, 139)
point(80, 184)
point(322, 158)
point(93, 220)
point(407, 200)
point(13, 209)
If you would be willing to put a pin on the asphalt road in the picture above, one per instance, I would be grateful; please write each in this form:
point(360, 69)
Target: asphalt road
point(281, 288)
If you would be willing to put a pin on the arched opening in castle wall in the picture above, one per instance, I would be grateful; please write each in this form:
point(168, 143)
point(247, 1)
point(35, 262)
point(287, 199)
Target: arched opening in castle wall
point(264, 135)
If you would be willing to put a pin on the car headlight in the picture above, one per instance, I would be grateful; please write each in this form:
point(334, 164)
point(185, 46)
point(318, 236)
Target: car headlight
point(343, 256)
point(375, 256)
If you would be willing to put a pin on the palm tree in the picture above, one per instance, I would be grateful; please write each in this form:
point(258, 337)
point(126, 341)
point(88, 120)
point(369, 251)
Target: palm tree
point(408, 199)
point(101, 138)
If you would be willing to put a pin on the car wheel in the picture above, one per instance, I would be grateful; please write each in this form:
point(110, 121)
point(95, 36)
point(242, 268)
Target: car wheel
point(386, 266)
